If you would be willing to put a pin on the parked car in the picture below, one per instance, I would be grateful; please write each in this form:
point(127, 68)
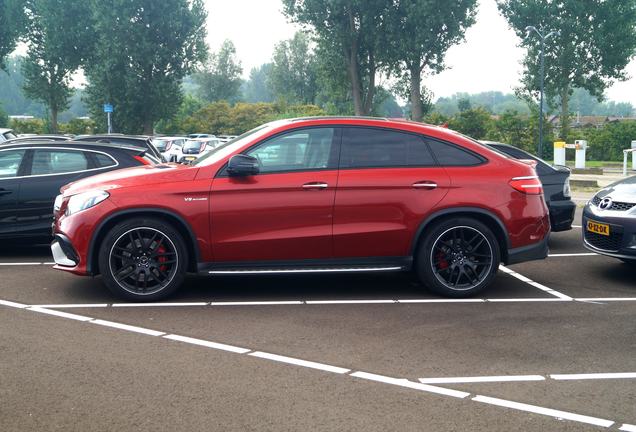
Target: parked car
point(332, 195)
point(6, 134)
point(556, 186)
point(170, 147)
point(32, 173)
point(29, 138)
point(226, 138)
point(609, 221)
point(131, 140)
point(195, 148)
point(201, 135)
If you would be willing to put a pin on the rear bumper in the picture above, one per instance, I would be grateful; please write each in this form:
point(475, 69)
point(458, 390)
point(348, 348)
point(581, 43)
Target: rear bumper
point(561, 214)
point(536, 251)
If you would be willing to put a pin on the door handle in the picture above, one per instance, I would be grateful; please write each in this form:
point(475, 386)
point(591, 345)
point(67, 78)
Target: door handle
point(425, 185)
point(315, 185)
point(5, 192)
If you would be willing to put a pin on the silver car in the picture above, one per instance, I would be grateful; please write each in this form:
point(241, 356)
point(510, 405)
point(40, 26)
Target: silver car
point(609, 221)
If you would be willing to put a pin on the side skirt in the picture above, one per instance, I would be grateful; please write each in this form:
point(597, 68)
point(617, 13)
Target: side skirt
point(355, 265)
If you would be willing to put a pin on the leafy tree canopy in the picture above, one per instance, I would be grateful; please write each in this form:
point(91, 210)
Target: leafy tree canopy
point(220, 79)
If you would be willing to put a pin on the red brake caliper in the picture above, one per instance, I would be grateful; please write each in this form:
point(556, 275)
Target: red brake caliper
point(441, 259)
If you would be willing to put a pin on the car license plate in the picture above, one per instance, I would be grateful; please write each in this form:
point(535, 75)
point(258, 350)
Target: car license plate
point(190, 158)
point(598, 228)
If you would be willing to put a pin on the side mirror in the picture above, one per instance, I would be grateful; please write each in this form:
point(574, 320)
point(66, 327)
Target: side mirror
point(242, 165)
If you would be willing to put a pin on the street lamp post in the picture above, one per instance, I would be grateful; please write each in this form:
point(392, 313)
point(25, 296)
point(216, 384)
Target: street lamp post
point(543, 38)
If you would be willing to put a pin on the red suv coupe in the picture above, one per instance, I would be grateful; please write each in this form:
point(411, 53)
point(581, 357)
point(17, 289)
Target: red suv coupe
point(311, 195)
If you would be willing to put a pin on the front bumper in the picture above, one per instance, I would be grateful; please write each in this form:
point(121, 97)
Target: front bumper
point(63, 252)
point(621, 243)
point(561, 214)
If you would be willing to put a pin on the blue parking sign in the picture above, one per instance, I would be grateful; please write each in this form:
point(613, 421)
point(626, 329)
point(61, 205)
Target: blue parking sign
point(108, 108)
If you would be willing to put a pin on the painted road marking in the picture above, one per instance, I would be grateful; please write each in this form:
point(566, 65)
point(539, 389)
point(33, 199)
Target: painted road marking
point(481, 379)
point(534, 284)
point(335, 369)
point(299, 362)
point(22, 264)
point(208, 344)
point(628, 428)
point(592, 376)
point(544, 411)
point(598, 300)
point(583, 254)
point(410, 384)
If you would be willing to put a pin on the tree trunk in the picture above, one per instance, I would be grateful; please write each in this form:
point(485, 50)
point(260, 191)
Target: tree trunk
point(148, 127)
point(351, 57)
point(53, 120)
point(416, 94)
point(565, 114)
point(368, 101)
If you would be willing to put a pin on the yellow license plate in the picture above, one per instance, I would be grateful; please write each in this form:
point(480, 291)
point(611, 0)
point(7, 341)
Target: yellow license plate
point(598, 228)
point(190, 158)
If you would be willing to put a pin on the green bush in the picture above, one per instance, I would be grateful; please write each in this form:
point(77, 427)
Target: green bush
point(32, 126)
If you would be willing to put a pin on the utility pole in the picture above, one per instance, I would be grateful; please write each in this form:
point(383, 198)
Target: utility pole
point(543, 38)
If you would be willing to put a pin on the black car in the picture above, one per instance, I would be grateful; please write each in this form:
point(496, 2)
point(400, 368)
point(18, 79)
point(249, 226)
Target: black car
point(32, 173)
point(32, 138)
point(130, 140)
point(556, 186)
point(609, 221)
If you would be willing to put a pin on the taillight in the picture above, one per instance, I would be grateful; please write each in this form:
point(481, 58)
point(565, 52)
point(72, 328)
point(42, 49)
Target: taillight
point(530, 185)
point(143, 160)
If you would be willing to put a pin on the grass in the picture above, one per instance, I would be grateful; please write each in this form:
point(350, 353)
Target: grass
point(599, 164)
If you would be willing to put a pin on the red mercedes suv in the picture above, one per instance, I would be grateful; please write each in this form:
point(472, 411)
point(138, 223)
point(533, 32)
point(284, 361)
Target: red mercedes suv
point(311, 195)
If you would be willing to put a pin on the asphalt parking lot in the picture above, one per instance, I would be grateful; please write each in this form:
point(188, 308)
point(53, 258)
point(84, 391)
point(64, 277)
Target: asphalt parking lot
point(550, 346)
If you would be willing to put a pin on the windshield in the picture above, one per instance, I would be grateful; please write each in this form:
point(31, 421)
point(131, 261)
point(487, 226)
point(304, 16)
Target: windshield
point(227, 148)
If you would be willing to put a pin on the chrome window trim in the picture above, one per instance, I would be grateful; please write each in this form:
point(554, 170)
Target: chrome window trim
point(65, 173)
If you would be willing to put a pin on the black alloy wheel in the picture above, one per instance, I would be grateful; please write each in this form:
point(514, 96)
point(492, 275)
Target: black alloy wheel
point(143, 260)
point(459, 258)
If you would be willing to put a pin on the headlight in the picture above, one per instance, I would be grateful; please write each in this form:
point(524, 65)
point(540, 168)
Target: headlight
point(85, 201)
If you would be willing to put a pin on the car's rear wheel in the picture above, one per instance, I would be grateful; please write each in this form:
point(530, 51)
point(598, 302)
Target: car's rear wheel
point(143, 259)
point(458, 257)
point(629, 261)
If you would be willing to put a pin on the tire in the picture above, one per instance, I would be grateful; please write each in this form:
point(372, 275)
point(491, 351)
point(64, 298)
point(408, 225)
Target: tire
point(143, 259)
point(459, 257)
point(629, 261)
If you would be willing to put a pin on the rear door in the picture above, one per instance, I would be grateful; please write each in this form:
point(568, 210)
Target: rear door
point(284, 213)
point(388, 180)
point(11, 171)
point(50, 169)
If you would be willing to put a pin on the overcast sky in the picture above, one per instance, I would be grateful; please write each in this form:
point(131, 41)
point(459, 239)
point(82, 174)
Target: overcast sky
point(488, 60)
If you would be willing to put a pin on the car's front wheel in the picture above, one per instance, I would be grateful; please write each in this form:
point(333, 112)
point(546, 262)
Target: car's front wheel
point(458, 257)
point(143, 259)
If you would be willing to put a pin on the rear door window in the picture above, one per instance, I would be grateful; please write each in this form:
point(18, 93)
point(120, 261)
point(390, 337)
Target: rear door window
point(48, 162)
point(382, 148)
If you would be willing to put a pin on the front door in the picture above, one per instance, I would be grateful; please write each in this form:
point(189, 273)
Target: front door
point(285, 212)
point(11, 163)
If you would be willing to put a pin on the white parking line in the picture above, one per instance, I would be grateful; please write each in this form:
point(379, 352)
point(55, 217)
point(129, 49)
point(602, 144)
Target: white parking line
point(73, 305)
point(410, 384)
point(577, 226)
point(299, 362)
point(159, 304)
point(481, 379)
point(628, 428)
point(534, 284)
point(334, 369)
point(22, 264)
point(573, 255)
point(258, 303)
point(327, 302)
point(544, 411)
point(594, 376)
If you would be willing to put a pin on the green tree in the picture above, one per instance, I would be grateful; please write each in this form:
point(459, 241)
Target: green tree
point(58, 45)
point(420, 32)
point(293, 74)
point(12, 21)
point(256, 88)
point(474, 122)
point(220, 79)
point(596, 42)
point(139, 61)
point(355, 30)
point(4, 118)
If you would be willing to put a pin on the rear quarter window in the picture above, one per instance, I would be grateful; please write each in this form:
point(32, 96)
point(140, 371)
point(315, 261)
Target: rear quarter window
point(452, 155)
